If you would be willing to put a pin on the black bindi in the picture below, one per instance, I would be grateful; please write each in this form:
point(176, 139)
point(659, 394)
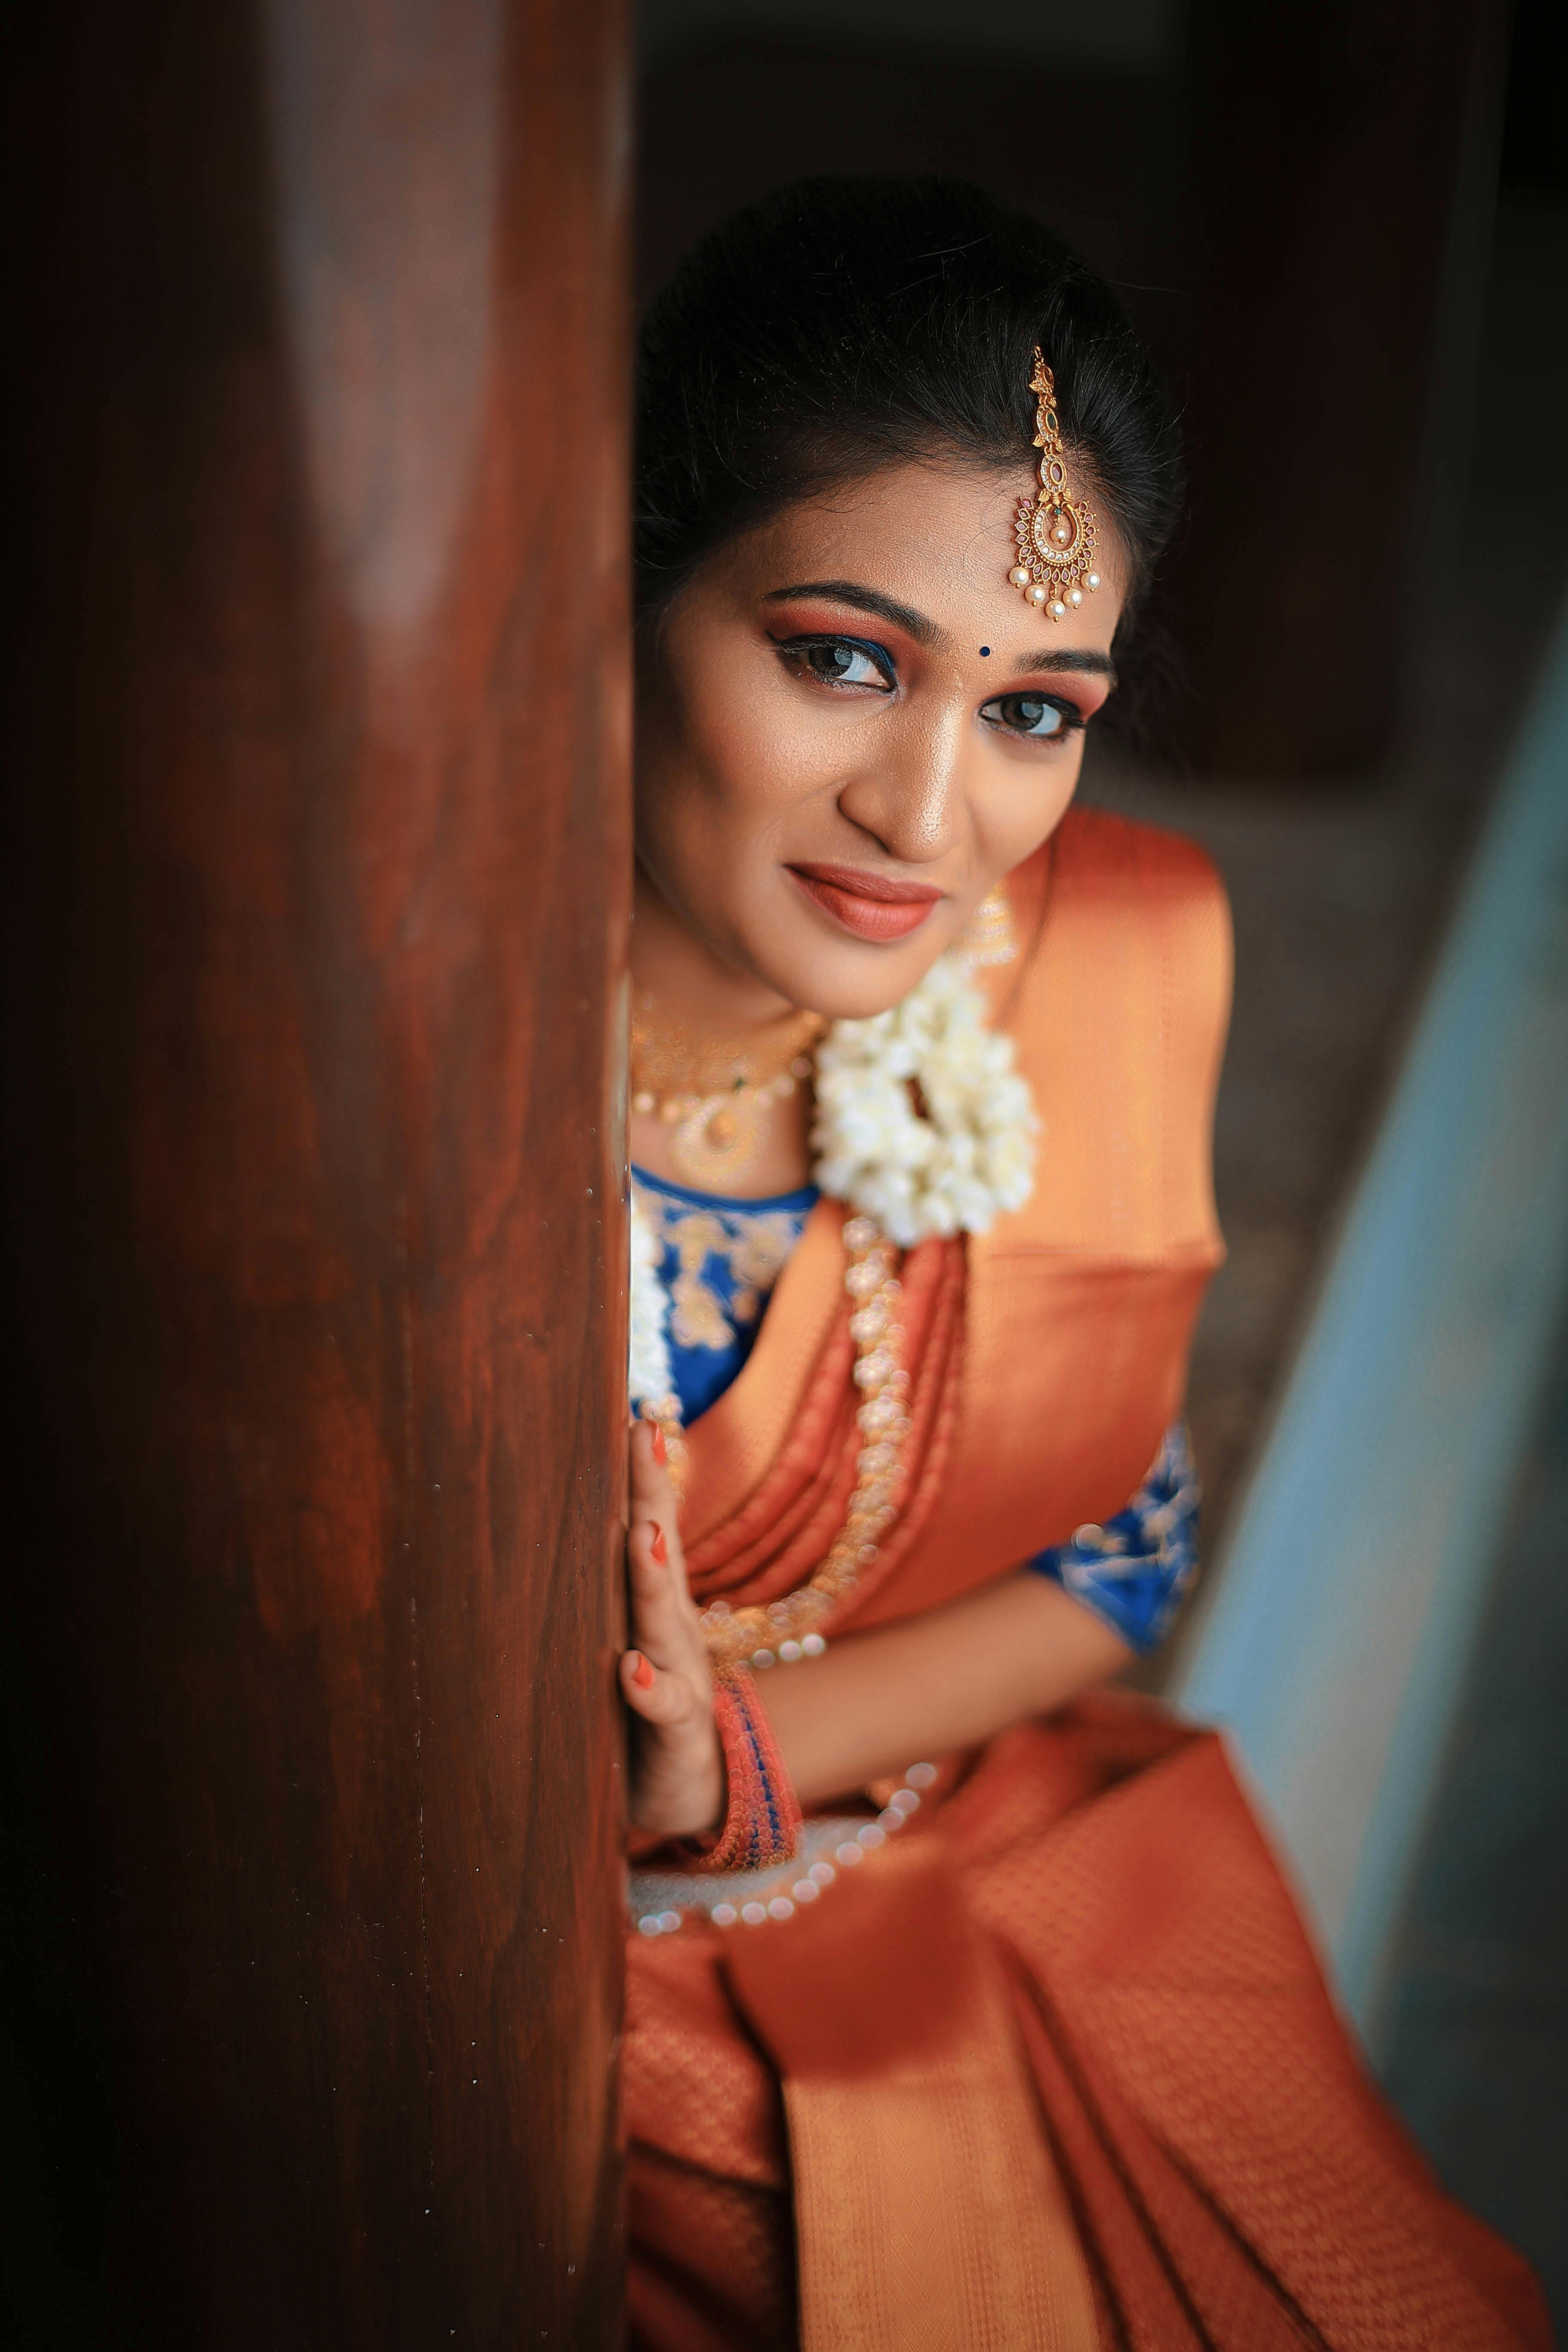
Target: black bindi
point(984, 649)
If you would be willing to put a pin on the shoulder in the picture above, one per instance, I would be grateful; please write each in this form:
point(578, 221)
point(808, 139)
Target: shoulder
point(1126, 901)
point(1109, 863)
point(1119, 1006)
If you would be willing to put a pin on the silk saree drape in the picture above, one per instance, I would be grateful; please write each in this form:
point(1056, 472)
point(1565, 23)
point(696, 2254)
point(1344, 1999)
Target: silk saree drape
point(1058, 2067)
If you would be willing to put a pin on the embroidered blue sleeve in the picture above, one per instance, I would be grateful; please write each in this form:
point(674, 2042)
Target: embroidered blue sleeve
point(1137, 1569)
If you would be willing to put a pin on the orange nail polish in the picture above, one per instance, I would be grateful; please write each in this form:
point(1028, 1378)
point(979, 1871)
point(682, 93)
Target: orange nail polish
point(642, 1674)
point(658, 1547)
point(660, 1450)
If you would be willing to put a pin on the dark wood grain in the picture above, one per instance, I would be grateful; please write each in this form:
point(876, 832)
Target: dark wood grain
point(319, 866)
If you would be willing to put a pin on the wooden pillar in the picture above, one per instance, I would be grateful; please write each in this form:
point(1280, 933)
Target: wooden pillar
point(1341, 147)
point(319, 880)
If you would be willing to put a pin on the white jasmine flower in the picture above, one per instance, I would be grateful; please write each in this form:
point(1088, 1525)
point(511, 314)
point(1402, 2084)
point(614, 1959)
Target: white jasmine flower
point(649, 1371)
point(922, 1121)
point(923, 1124)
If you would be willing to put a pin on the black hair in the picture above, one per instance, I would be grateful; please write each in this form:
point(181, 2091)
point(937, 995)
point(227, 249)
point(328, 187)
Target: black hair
point(841, 325)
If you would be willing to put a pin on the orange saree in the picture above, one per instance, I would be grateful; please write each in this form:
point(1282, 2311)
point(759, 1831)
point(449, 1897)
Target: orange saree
point(1056, 2067)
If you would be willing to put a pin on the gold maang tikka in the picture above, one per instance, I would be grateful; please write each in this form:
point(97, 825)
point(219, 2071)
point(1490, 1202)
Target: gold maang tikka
point(1055, 531)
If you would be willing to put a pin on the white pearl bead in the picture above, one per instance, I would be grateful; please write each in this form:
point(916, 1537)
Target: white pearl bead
point(753, 1914)
point(670, 1921)
point(1094, 579)
point(1075, 596)
point(814, 1645)
point(1019, 575)
point(790, 1653)
point(1061, 534)
point(723, 1914)
point(1037, 594)
point(849, 1855)
point(823, 1872)
point(781, 1907)
point(871, 1836)
point(904, 1800)
point(920, 1776)
point(1058, 610)
point(805, 1890)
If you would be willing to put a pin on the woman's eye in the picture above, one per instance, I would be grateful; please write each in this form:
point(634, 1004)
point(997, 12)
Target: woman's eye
point(838, 661)
point(1033, 715)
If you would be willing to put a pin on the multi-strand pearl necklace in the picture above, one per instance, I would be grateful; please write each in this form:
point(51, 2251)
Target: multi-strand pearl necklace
point(829, 1845)
point(924, 1127)
point(788, 1630)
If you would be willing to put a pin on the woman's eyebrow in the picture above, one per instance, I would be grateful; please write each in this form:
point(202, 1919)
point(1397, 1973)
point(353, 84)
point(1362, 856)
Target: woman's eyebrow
point(864, 600)
point(1083, 660)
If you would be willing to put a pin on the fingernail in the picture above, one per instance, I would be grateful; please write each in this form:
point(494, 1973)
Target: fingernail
point(657, 1545)
point(660, 1451)
point(642, 1674)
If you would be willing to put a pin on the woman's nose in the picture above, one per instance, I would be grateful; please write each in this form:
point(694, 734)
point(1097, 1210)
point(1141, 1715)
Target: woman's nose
point(910, 793)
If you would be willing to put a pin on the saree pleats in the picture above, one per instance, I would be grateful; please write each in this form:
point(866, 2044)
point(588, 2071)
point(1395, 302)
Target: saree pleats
point(1057, 2070)
point(922, 2182)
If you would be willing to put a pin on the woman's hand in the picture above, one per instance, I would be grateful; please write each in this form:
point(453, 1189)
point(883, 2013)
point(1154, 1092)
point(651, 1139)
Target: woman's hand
point(678, 1765)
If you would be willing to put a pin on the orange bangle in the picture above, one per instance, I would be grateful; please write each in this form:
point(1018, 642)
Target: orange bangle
point(762, 1820)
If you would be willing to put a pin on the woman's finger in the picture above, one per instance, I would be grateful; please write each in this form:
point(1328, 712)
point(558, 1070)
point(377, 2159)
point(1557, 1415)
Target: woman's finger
point(661, 1614)
point(652, 1488)
point(659, 1698)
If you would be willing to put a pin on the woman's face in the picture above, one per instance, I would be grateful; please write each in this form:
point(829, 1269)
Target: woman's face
point(850, 727)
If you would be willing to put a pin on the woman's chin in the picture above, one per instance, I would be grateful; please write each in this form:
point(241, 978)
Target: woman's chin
point(852, 979)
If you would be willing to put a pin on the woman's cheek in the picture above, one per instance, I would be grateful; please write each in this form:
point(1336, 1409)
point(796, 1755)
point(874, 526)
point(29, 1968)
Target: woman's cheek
point(1018, 814)
point(773, 751)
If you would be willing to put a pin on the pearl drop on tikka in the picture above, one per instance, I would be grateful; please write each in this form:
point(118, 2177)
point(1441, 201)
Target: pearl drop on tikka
point(1019, 575)
point(1093, 579)
point(1037, 594)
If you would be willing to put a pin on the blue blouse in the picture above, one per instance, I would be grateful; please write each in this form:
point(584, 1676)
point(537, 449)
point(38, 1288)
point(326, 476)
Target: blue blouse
point(719, 1260)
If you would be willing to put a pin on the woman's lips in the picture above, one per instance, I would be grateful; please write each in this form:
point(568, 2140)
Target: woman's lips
point(868, 905)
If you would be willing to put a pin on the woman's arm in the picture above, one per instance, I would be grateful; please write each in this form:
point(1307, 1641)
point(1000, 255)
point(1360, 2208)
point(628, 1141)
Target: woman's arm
point(875, 1703)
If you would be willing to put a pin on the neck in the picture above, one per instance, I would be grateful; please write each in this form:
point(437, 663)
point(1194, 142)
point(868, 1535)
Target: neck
point(679, 984)
point(681, 981)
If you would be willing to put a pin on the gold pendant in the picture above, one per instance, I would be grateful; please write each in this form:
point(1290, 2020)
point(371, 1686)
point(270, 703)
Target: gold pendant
point(720, 1139)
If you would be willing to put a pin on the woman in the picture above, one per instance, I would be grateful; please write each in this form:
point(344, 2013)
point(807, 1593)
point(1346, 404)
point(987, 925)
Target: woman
point(966, 2007)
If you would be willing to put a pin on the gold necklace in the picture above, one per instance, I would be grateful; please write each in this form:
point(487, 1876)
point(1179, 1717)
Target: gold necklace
point(716, 1094)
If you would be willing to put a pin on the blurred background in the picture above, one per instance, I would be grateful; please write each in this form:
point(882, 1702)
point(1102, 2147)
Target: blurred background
point(1344, 233)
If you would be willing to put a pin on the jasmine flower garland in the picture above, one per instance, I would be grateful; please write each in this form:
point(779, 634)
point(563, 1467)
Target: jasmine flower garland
point(648, 1373)
point(924, 1124)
